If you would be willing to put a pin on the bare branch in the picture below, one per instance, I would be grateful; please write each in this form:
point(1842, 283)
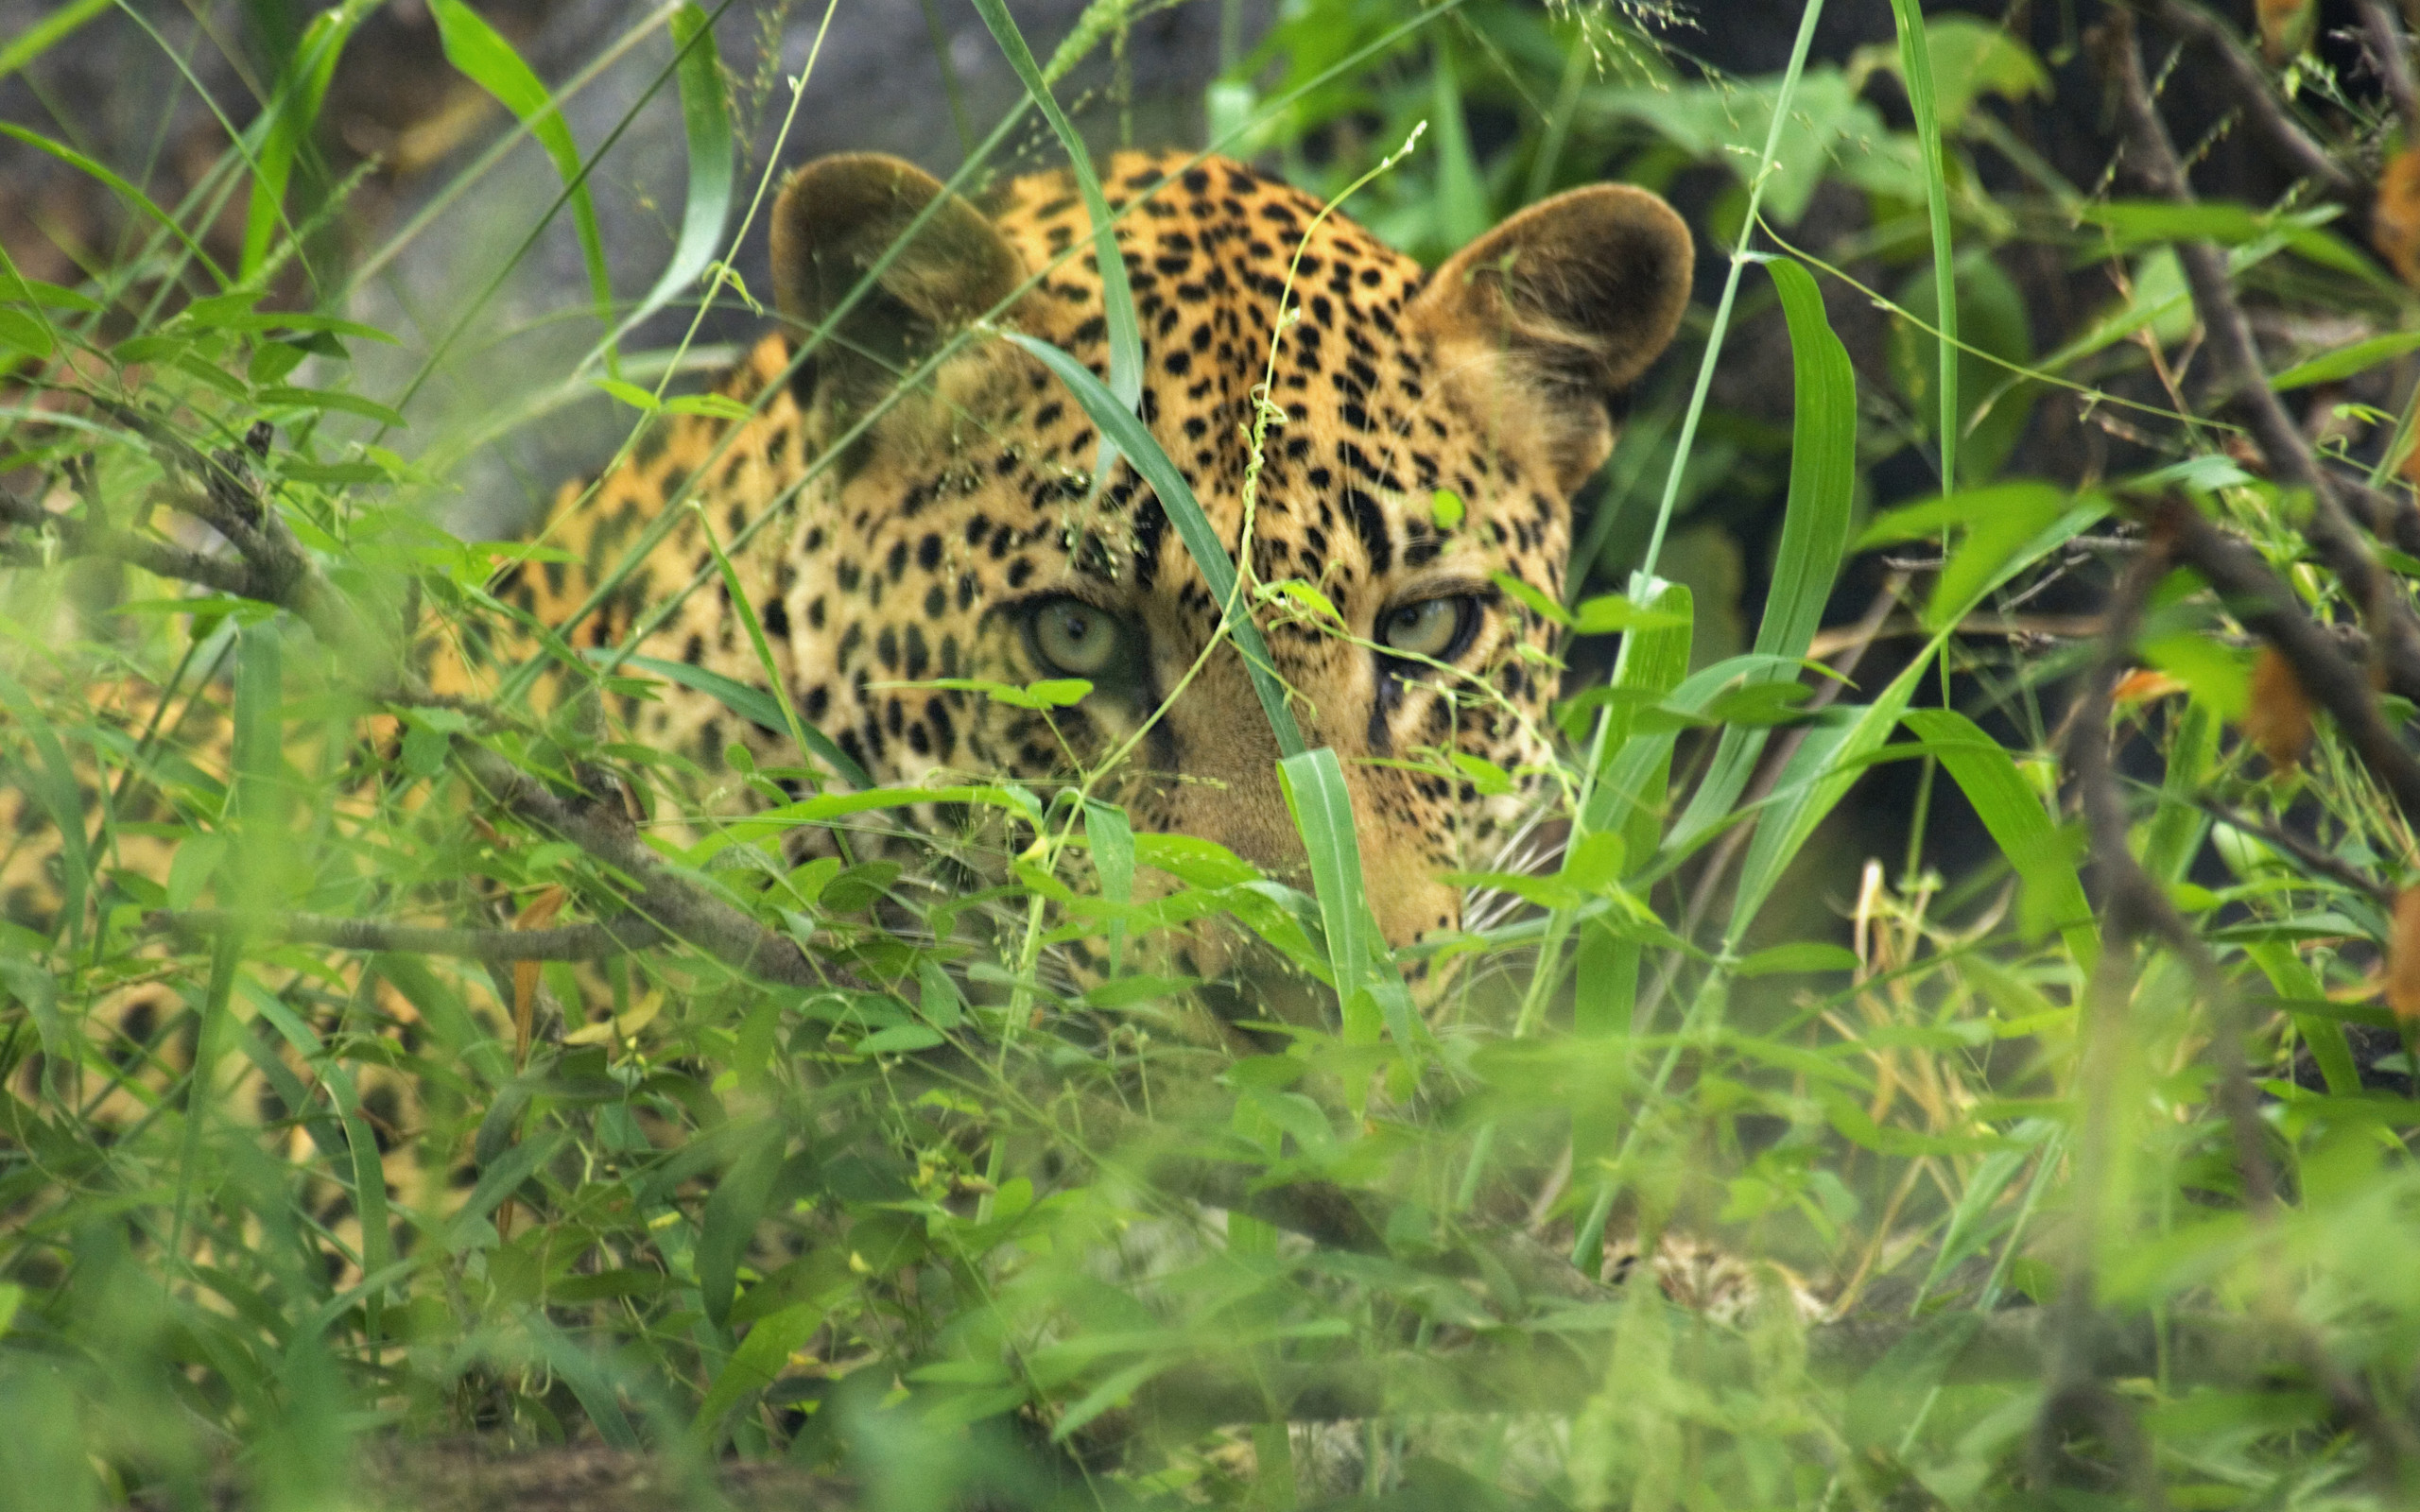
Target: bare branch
point(2391, 50)
point(273, 568)
point(574, 943)
point(2269, 609)
point(2228, 337)
point(2252, 91)
point(77, 538)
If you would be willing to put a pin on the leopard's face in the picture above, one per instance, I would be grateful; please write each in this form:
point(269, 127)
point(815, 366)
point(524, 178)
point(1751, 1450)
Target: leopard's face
point(959, 536)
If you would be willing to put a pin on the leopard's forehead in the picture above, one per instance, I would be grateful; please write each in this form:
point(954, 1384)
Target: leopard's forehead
point(1357, 429)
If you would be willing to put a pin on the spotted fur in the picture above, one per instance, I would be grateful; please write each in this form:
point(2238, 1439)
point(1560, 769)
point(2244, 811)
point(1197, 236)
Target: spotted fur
point(901, 533)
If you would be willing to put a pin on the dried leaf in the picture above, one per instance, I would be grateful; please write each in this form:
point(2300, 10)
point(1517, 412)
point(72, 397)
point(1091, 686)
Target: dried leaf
point(540, 913)
point(2395, 223)
point(2144, 684)
point(2403, 956)
point(2278, 720)
point(2286, 28)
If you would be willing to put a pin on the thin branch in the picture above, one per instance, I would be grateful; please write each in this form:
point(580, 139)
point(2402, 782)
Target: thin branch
point(2330, 529)
point(2391, 50)
point(77, 538)
point(2270, 609)
point(273, 568)
point(2311, 856)
point(2133, 905)
point(573, 942)
point(2251, 90)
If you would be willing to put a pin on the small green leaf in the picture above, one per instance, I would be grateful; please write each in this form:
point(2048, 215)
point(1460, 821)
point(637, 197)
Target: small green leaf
point(1546, 608)
point(718, 407)
point(899, 1040)
point(21, 332)
point(629, 393)
point(325, 399)
point(1610, 612)
point(1446, 508)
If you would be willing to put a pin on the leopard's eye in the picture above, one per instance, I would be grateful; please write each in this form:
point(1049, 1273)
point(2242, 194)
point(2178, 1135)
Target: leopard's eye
point(1434, 629)
point(1074, 637)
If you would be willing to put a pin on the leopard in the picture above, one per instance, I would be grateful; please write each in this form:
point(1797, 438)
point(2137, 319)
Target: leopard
point(922, 506)
point(914, 509)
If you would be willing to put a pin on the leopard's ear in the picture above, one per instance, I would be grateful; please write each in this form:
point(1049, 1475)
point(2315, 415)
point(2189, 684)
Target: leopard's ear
point(835, 218)
point(1574, 296)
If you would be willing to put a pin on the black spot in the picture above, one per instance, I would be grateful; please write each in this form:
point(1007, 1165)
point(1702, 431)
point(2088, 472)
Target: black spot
point(1370, 524)
point(776, 618)
point(929, 552)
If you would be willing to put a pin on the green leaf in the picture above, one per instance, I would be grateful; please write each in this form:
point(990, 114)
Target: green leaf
point(755, 1365)
point(715, 406)
point(1050, 693)
point(2132, 223)
point(2215, 672)
point(281, 131)
point(1110, 835)
point(1461, 194)
point(1996, 546)
point(1321, 805)
point(1118, 296)
point(900, 1039)
point(325, 399)
point(1915, 68)
point(2346, 361)
point(1192, 527)
point(1814, 532)
point(1608, 612)
point(629, 393)
point(31, 44)
point(706, 126)
point(480, 53)
point(1547, 609)
point(21, 332)
point(16, 289)
point(2010, 809)
point(1446, 508)
point(498, 1181)
point(734, 1209)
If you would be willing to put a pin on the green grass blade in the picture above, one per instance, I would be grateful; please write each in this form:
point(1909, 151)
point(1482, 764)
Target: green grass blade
point(1316, 796)
point(1782, 100)
point(1815, 527)
point(1184, 511)
point(51, 782)
point(746, 611)
point(1117, 298)
point(705, 124)
point(1110, 835)
point(480, 53)
point(1461, 196)
point(1820, 775)
point(39, 37)
point(1915, 65)
point(2012, 810)
point(753, 704)
point(285, 128)
point(118, 186)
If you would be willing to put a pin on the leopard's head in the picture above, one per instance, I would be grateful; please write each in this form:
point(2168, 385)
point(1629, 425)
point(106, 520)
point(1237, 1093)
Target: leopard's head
point(1428, 432)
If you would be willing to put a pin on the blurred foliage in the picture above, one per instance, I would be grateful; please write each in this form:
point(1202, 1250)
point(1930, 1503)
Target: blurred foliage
point(981, 1227)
